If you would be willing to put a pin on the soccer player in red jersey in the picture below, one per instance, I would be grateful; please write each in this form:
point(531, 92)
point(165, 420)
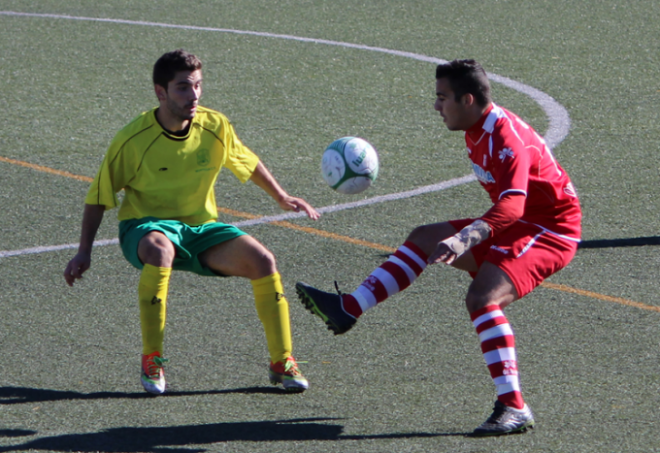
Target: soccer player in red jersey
point(531, 231)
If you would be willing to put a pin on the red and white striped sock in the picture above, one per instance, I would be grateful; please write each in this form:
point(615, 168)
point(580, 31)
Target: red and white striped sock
point(498, 345)
point(393, 276)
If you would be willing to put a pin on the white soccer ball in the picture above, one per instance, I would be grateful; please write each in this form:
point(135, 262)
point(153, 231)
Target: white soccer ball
point(349, 165)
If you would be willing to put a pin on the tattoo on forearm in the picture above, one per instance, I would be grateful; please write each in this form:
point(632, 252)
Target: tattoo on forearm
point(468, 237)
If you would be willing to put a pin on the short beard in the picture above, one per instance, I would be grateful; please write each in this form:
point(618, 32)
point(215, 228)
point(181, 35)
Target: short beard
point(179, 112)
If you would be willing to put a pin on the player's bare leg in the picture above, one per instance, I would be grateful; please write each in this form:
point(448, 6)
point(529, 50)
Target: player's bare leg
point(491, 286)
point(155, 249)
point(246, 257)
point(489, 293)
point(243, 256)
point(340, 311)
point(426, 237)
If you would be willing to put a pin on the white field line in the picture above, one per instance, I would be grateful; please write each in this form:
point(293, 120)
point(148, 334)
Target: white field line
point(274, 218)
point(358, 204)
point(557, 115)
point(53, 248)
point(559, 120)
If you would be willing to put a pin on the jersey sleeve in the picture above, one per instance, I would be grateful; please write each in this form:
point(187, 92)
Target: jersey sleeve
point(240, 159)
point(511, 164)
point(117, 168)
point(504, 212)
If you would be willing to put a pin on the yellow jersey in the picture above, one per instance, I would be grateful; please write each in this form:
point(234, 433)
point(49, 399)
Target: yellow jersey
point(168, 176)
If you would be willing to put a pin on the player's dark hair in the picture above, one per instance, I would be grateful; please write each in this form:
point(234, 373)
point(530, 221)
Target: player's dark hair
point(170, 63)
point(466, 77)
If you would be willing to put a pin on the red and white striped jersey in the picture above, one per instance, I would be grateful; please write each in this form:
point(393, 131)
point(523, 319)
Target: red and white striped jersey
point(508, 156)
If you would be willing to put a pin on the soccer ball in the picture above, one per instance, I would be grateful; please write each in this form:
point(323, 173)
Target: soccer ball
point(349, 165)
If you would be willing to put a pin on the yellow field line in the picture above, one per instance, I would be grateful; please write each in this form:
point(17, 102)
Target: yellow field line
point(616, 300)
point(338, 237)
point(555, 286)
point(45, 169)
point(325, 234)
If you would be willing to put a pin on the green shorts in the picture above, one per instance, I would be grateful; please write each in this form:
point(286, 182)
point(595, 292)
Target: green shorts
point(189, 241)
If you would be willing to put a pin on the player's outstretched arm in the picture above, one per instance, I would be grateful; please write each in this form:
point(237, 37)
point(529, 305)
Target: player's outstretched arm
point(264, 179)
point(451, 248)
point(500, 216)
point(92, 217)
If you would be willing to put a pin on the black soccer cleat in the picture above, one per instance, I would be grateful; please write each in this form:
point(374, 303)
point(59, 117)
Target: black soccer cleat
point(326, 306)
point(506, 420)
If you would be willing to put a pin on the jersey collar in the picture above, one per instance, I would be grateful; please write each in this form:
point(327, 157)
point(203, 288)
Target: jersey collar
point(477, 128)
point(180, 135)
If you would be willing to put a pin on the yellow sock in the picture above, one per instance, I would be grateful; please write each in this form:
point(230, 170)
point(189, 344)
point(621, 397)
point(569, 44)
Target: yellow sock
point(152, 294)
point(273, 311)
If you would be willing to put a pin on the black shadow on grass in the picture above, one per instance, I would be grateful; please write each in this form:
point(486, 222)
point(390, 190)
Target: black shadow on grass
point(20, 395)
point(603, 243)
point(403, 436)
point(625, 242)
point(16, 432)
point(161, 439)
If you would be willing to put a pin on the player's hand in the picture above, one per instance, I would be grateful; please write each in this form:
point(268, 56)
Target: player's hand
point(298, 204)
point(442, 254)
point(76, 267)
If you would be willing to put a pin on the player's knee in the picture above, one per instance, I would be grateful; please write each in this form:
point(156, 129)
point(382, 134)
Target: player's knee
point(475, 301)
point(479, 297)
point(421, 236)
point(427, 237)
point(264, 263)
point(417, 233)
point(157, 250)
point(269, 261)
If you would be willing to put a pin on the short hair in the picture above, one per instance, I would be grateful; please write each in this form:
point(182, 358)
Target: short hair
point(170, 63)
point(466, 77)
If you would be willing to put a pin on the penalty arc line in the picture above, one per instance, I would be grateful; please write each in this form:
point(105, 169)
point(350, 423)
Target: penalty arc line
point(558, 117)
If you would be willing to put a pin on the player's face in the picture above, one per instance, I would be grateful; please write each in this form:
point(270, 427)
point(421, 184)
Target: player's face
point(183, 93)
point(454, 113)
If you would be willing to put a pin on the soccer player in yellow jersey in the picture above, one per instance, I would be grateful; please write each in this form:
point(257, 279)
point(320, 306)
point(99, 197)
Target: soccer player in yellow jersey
point(167, 161)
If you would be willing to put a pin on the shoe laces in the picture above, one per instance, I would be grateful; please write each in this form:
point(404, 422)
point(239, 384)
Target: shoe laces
point(290, 367)
point(341, 301)
point(498, 411)
point(154, 365)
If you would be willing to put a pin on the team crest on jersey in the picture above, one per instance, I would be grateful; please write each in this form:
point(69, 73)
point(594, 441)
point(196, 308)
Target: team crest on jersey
point(203, 157)
point(506, 152)
point(482, 175)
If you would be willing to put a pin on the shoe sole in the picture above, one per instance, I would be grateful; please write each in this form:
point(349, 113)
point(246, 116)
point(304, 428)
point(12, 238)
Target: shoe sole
point(310, 305)
point(151, 389)
point(521, 430)
point(292, 389)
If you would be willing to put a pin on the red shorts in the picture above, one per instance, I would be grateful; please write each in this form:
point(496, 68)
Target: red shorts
point(527, 253)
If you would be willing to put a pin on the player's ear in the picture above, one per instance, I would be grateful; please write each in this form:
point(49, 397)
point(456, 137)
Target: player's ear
point(161, 92)
point(468, 100)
